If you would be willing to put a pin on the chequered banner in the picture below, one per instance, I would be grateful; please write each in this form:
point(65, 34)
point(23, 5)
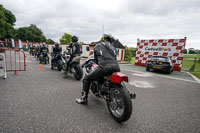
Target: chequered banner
point(173, 48)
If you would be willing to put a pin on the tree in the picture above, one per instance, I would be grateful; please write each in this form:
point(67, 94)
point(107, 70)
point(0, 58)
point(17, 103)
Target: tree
point(7, 20)
point(133, 52)
point(185, 51)
point(31, 34)
point(50, 41)
point(81, 42)
point(128, 54)
point(191, 52)
point(66, 39)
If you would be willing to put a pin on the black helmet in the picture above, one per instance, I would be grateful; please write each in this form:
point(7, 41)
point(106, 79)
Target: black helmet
point(108, 37)
point(74, 39)
point(57, 45)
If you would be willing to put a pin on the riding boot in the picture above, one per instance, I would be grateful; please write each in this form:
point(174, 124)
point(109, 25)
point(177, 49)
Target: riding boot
point(85, 91)
point(66, 75)
point(83, 99)
point(51, 64)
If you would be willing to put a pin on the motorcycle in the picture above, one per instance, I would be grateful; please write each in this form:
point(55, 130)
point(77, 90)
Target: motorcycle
point(44, 57)
point(74, 66)
point(113, 90)
point(57, 61)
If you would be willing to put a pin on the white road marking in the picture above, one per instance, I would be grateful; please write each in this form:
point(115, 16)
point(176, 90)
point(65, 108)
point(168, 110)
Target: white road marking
point(162, 76)
point(141, 84)
point(142, 75)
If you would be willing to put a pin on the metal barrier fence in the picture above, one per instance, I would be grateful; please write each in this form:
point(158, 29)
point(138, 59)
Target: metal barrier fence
point(15, 60)
point(2, 66)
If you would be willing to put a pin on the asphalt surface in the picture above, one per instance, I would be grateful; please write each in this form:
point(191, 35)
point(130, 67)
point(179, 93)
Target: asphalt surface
point(42, 101)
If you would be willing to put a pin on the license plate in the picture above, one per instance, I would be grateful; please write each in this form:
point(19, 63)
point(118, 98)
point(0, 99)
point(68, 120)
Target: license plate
point(157, 67)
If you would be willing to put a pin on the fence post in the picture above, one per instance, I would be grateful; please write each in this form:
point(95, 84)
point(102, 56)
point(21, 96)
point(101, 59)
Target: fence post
point(193, 66)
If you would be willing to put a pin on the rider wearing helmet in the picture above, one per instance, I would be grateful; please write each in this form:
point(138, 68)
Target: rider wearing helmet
point(56, 50)
point(44, 49)
point(105, 57)
point(75, 49)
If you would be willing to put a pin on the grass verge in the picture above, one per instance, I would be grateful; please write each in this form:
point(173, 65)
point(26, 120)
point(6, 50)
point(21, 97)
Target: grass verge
point(187, 64)
point(197, 74)
point(191, 55)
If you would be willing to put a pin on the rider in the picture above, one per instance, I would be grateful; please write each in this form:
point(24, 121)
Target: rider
point(75, 49)
point(56, 50)
point(44, 49)
point(105, 57)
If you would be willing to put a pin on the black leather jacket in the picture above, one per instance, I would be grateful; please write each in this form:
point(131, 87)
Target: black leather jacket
point(57, 50)
point(44, 49)
point(105, 56)
point(76, 48)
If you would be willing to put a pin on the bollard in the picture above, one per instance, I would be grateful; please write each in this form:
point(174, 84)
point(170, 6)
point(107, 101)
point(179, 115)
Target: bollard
point(41, 67)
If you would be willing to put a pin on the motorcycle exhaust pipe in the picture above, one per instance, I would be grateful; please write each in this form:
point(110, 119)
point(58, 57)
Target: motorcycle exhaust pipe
point(133, 96)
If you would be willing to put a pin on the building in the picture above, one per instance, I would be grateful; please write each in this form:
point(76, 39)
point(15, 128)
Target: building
point(120, 50)
point(87, 49)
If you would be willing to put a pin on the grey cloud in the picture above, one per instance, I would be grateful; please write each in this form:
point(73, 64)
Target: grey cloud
point(128, 21)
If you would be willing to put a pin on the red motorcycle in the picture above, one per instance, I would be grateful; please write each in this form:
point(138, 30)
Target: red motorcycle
point(113, 90)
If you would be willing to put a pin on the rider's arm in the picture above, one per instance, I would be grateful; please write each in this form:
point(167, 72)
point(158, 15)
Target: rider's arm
point(95, 58)
point(97, 52)
point(74, 47)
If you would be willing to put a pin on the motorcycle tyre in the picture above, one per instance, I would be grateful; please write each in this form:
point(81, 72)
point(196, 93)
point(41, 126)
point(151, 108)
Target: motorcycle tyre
point(78, 74)
point(125, 95)
point(45, 60)
point(60, 65)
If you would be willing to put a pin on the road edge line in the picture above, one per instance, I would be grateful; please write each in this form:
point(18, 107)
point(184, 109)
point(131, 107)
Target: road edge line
point(163, 76)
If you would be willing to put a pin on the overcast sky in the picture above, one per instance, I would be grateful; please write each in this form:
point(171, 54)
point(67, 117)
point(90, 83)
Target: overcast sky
point(126, 20)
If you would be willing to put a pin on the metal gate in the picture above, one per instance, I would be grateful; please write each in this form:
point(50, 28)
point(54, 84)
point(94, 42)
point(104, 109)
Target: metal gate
point(15, 60)
point(2, 66)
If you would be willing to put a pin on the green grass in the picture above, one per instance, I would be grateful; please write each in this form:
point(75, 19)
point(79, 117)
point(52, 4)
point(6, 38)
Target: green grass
point(197, 74)
point(187, 64)
point(191, 55)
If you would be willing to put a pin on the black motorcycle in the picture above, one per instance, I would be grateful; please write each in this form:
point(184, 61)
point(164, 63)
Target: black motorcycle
point(74, 66)
point(44, 57)
point(114, 91)
point(57, 61)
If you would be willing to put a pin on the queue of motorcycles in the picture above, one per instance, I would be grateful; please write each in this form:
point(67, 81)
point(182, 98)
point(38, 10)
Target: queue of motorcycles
point(42, 57)
point(111, 88)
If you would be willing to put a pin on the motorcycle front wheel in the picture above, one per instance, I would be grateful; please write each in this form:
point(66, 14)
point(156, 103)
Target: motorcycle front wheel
point(120, 104)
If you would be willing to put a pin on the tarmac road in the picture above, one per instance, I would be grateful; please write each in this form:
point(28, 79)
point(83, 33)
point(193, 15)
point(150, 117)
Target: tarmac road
point(44, 102)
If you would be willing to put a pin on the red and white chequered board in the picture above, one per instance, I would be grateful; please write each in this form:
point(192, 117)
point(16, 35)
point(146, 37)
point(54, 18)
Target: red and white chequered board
point(173, 48)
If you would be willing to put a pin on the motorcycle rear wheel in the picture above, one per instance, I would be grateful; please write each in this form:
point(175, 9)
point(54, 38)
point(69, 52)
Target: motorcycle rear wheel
point(78, 72)
point(120, 104)
point(60, 65)
point(45, 60)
